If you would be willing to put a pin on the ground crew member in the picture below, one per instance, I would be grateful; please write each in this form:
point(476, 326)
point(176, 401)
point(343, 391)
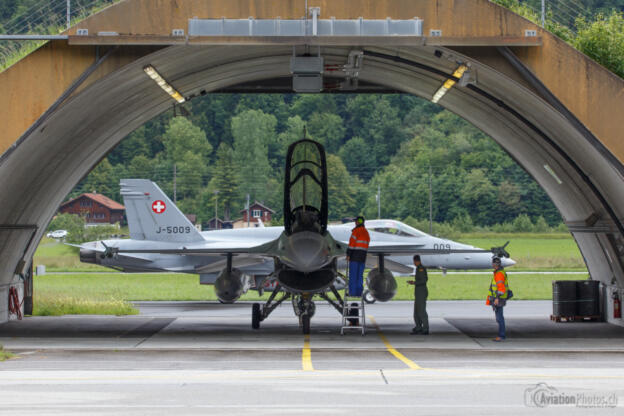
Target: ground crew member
point(497, 297)
point(421, 319)
point(356, 256)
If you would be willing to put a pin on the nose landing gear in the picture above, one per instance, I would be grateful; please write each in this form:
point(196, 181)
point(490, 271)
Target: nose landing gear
point(304, 308)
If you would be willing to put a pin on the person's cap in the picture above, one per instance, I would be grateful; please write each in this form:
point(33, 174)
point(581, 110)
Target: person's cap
point(417, 257)
point(496, 260)
point(359, 220)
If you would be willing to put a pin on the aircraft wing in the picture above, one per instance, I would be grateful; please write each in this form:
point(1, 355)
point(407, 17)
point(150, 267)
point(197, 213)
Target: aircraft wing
point(238, 262)
point(239, 248)
point(390, 249)
point(397, 249)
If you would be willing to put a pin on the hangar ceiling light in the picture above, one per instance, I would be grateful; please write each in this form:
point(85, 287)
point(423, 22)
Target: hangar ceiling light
point(153, 74)
point(553, 174)
point(448, 84)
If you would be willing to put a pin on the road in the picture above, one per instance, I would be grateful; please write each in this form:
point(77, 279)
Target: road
point(204, 358)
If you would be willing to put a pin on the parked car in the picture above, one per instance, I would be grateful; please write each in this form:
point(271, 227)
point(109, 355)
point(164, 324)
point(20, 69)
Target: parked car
point(57, 234)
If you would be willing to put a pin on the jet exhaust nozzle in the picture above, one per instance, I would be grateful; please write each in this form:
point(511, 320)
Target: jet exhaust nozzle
point(382, 286)
point(229, 285)
point(88, 256)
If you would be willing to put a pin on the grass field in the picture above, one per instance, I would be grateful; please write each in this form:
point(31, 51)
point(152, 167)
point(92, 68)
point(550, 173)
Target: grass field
point(4, 354)
point(110, 293)
point(544, 252)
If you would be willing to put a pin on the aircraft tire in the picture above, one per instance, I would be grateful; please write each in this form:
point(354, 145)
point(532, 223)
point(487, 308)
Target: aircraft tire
point(305, 323)
point(255, 316)
point(368, 298)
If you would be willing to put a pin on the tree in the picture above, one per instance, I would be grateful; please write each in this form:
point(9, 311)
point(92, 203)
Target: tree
point(99, 232)
point(252, 131)
point(305, 105)
point(522, 223)
point(603, 40)
point(508, 200)
point(376, 121)
point(342, 189)
point(74, 224)
point(463, 223)
point(327, 129)
point(102, 179)
point(278, 148)
point(186, 147)
point(133, 145)
point(358, 158)
point(182, 138)
point(225, 179)
point(140, 167)
point(478, 196)
point(541, 226)
point(270, 103)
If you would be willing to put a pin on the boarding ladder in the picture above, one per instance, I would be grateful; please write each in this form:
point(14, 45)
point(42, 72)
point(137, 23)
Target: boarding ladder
point(358, 304)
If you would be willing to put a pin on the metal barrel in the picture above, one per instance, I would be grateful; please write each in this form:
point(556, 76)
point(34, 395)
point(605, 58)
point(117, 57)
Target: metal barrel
point(564, 298)
point(588, 297)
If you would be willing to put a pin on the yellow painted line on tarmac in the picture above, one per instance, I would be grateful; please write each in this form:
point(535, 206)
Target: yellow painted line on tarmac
point(306, 355)
point(411, 364)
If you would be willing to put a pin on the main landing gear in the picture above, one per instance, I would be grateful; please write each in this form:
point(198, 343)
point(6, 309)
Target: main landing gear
point(260, 312)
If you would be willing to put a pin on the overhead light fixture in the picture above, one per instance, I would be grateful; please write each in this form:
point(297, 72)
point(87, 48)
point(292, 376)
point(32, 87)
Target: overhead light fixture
point(553, 174)
point(448, 84)
point(153, 74)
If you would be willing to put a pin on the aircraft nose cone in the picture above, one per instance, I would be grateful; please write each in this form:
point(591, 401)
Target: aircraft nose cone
point(306, 252)
point(507, 262)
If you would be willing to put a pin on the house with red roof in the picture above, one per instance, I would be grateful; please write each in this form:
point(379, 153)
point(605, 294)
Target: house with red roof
point(94, 208)
point(257, 211)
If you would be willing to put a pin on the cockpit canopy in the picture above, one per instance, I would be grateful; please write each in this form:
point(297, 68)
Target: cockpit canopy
point(305, 188)
point(393, 227)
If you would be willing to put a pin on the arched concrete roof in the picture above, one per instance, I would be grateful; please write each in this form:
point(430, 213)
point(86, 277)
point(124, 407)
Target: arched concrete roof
point(516, 110)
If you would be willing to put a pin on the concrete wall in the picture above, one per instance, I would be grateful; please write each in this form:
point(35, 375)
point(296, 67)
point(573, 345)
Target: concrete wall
point(4, 303)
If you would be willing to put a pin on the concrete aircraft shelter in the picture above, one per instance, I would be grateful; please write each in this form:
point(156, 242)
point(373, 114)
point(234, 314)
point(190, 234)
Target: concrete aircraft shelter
point(555, 111)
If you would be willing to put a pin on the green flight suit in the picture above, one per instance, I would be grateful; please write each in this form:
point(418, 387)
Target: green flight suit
point(421, 319)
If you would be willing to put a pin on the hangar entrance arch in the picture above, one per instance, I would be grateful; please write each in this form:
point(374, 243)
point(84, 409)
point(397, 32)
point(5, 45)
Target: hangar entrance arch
point(496, 91)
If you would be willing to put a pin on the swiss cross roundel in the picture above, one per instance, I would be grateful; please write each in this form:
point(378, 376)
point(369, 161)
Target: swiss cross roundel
point(158, 206)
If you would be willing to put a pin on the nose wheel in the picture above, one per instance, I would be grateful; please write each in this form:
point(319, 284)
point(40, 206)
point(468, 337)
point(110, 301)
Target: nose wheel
point(304, 308)
point(305, 324)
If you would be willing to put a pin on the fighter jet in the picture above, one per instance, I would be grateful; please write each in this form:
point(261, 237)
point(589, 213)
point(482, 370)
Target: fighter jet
point(299, 261)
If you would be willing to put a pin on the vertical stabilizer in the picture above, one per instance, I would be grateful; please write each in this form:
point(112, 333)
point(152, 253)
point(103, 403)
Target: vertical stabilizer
point(153, 216)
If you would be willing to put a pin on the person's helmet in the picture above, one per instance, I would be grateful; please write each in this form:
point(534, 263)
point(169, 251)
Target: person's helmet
point(359, 220)
point(496, 260)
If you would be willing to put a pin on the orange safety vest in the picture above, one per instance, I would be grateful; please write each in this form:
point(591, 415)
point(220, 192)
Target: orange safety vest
point(359, 239)
point(499, 286)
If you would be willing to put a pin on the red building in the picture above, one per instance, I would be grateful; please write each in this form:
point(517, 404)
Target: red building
point(94, 208)
point(256, 211)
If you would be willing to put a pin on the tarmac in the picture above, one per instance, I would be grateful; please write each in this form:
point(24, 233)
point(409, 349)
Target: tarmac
point(204, 357)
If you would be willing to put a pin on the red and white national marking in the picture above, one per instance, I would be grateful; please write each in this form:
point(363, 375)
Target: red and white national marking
point(158, 206)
